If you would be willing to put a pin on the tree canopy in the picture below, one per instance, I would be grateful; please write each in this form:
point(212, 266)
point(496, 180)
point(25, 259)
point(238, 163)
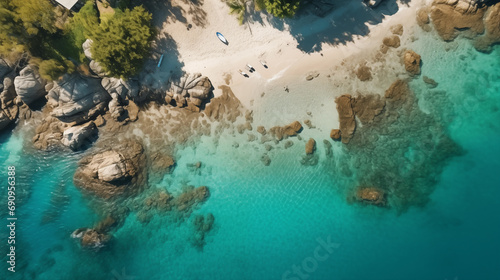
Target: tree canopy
point(121, 43)
point(282, 8)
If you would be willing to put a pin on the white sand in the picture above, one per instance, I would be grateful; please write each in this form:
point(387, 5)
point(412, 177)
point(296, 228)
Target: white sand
point(201, 51)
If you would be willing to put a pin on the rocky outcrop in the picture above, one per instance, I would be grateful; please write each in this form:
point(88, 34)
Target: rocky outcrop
point(91, 238)
point(78, 137)
point(112, 171)
point(29, 85)
point(128, 89)
point(8, 107)
point(423, 19)
point(367, 107)
point(191, 90)
point(77, 99)
point(453, 16)
point(346, 117)
point(283, 132)
point(398, 91)
point(97, 69)
point(86, 48)
point(335, 134)
point(190, 197)
point(492, 26)
point(392, 41)
point(49, 133)
point(412, 62)
point(310, 146)
point(364, 73)
point(371, 195)
point(224, 107)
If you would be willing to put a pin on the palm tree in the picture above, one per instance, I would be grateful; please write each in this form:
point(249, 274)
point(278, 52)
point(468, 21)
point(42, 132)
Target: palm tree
point(238, 7)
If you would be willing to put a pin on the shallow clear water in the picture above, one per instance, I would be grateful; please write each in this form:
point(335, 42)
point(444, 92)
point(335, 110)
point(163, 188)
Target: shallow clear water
point(273, 222)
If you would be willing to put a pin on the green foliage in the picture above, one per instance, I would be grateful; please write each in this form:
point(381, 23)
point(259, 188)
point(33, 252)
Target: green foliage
point(35, 15)
point(80, 27)
point(238, 7)
point(260, 5)
point(122, 42)
point(282, 8)
point(53, 69)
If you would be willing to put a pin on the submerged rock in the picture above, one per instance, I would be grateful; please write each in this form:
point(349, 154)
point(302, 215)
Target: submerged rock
point(412, 62)
point(346, 117)
point(398, 91)
point(112, 171)
point(90, 238)
point(202, 226)
point(77, 137)
point(29, 85)
point(367, 107)
point(397, 29)
point(190, 197)
point(371, 195)
point(430, 82)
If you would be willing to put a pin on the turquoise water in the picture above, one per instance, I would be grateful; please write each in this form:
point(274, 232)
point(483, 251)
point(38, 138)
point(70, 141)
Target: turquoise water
point(271, 221)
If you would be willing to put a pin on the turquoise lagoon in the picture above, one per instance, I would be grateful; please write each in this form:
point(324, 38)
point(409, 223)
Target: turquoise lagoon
point(273, 222)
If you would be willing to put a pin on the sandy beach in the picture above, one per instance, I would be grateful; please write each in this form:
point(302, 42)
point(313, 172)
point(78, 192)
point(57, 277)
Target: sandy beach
point(199, 50)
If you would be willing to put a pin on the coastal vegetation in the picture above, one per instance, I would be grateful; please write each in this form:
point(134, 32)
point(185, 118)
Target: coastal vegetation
point(277, 8)
point(39, 33)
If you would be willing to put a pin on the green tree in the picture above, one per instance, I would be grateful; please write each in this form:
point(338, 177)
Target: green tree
point(122, 42)
point(36, 15)
point(282, 8)
point(53, 69)
point(238, 7)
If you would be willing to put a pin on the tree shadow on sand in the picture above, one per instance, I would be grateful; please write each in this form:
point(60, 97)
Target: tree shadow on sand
point(190, 13)
point(335, 22)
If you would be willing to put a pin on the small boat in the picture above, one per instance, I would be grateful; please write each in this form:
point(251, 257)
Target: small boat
point(263, 63)
point(222, 38)
point(243, 74)
point(250, 68)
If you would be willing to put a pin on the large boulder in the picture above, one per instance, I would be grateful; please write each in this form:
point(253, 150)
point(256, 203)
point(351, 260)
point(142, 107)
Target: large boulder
point(7, 116)
point(86, 48)
point(191, 89)
point(8, 108)
point(128, 89)
point(412, 62)
point(346, 117)
point(97, 68)
point(453, 16)
point(310, 146)
point(77, 99)
point(29, 85)
point(492, 26)
point(49, 133)
point(112, 171)
point(77, 137)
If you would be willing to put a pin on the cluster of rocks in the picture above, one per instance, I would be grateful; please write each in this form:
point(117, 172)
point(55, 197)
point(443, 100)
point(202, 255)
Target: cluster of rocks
point(202, 226)
point(112, 171)
point(8, 106)
point(473, 19)
point(192, 91)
